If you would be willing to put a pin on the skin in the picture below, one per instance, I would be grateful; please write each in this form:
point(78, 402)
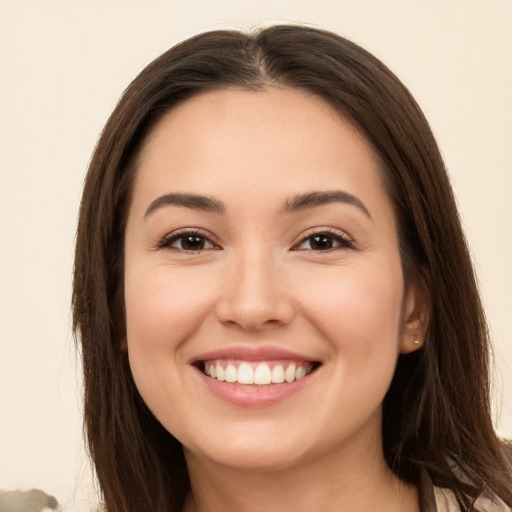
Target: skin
point(257, 280)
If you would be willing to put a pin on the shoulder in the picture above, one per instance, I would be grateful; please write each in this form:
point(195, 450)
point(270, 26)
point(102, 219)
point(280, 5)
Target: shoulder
point(486, 502)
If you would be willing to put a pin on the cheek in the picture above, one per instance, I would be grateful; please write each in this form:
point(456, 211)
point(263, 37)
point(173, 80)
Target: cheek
point(163, 307)
point(358, 308)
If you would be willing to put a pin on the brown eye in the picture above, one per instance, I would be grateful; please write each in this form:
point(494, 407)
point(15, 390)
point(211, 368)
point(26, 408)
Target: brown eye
point(192, 243)
point(324, 242)
point(321, 242)
point(187, 242)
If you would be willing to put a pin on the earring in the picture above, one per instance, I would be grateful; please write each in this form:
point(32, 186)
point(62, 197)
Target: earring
point(416, 342)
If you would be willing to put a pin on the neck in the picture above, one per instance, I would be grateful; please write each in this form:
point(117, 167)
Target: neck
point(353, 478)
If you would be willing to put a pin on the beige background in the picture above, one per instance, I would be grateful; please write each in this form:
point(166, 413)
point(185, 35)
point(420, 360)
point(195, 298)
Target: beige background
point(63, 65)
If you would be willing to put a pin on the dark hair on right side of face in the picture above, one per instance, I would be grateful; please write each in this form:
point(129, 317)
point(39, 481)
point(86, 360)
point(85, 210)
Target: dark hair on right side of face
point(436, 413)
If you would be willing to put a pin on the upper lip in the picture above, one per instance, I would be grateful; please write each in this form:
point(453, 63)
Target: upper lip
point(246, 353)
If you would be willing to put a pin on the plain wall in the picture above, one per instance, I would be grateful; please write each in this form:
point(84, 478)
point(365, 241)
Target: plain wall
point(63, 65)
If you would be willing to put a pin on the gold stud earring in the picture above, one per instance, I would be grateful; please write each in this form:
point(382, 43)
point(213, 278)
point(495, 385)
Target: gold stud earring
point(416, 342)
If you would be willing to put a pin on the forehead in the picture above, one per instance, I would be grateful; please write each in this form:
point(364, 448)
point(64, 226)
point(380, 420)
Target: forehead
point(243, 111)
point(238, 141)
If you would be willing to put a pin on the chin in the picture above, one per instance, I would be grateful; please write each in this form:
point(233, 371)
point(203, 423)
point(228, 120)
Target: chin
point(254, 458)
point(258, 450)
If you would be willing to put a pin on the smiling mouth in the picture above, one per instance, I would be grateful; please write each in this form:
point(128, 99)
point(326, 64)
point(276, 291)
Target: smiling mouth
point(262, 373)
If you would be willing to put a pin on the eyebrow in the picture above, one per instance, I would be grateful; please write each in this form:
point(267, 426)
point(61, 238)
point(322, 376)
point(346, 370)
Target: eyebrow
point(296, 203)
point(193, 201)
point(313, 199)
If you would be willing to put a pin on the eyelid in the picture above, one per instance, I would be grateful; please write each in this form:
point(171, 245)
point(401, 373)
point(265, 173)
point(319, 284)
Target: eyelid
point(346, 242)
point(166, 241)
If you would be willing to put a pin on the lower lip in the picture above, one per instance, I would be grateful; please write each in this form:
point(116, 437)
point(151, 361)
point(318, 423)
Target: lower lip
point(250, 395)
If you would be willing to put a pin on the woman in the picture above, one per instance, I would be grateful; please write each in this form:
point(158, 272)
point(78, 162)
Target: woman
point(273, 293)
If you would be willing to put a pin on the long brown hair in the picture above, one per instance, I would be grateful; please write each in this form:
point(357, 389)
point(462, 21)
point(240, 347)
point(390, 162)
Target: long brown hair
point(436, 413)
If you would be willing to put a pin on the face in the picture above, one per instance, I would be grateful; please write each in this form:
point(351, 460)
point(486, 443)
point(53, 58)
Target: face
point(264, 293)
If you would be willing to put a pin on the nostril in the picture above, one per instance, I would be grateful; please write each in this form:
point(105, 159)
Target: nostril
point(255, 319)
point(254, 300)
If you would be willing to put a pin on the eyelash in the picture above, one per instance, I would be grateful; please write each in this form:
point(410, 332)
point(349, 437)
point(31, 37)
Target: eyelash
point(342, 239)
point(335, 236)
point(168, 240)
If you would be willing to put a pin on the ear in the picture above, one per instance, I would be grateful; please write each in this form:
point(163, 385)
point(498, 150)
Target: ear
point(123, 344)
point(415, 317)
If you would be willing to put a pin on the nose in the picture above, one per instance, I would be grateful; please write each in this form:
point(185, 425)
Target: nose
point(253, 294)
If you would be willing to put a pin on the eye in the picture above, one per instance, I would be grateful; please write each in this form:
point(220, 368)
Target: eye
point(189, 241)
point(324, 241)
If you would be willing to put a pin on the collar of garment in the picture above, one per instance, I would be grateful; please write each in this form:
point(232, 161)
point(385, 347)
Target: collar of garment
point(439, 499)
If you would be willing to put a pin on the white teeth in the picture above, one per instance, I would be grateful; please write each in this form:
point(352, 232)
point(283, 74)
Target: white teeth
point(277, 374)
point(246, 374)
point(289, 374)
point(231, 373)
point(261, 375)
point(299, 373)
point(221, 374)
